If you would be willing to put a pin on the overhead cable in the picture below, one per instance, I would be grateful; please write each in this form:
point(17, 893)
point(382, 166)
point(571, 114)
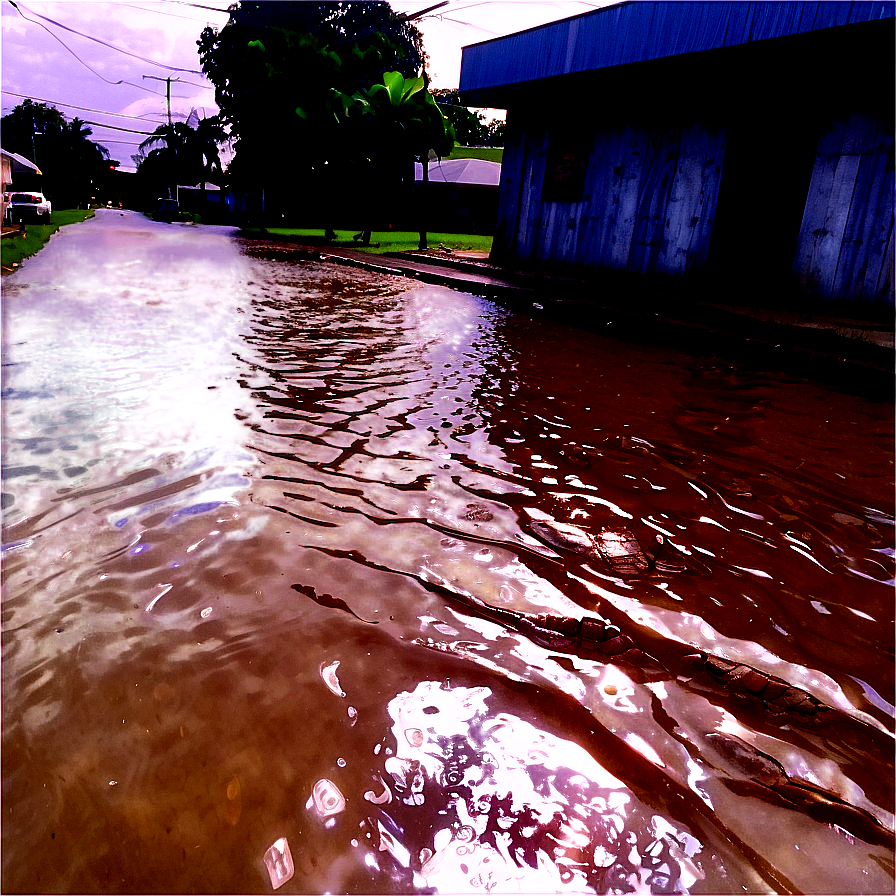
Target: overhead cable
point(67, 47)
point(71, 105)
point(172, 14)
point(172, 68)
point(198, 6)
point(116, 128)
point(409, 17)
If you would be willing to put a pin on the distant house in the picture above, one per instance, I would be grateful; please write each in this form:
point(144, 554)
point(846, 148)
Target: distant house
point(462, 195)
point(5, 180)
point(747, 144)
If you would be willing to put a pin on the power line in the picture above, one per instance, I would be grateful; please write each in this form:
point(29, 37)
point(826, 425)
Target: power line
point(409, 17)
point(197, 5)
point(67, 47)
point(173, 15)
point(467, 24)
point(116, 128)
point(172, 68)
point(73, 106)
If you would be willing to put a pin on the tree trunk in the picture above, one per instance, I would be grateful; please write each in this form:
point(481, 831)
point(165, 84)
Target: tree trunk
point(423, 197)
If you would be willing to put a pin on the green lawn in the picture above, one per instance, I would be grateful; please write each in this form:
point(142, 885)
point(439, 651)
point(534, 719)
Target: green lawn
point(383, 240)
point(15, 248)
point(489, 153)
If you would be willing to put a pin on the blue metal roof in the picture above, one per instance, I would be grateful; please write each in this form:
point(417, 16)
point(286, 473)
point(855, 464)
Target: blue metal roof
point(643, 30)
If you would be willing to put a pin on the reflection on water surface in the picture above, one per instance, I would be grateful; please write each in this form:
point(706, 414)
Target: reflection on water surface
point(296, 563)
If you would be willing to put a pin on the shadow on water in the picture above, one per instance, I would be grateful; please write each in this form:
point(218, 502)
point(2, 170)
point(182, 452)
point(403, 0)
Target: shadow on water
point(320, 580)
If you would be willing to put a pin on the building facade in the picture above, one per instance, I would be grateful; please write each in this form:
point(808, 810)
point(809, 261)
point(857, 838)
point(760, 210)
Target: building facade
point(724, 142)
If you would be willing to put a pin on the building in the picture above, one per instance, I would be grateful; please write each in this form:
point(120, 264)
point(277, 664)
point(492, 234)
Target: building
point(12, 164)
point(742, 145)
point(461, 195)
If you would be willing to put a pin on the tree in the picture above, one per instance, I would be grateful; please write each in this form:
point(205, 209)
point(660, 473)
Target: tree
point(273, 57)
point(180, 154)
point(495, 133)
point(469, 126)
point(170, 162)
point(70, 162)
point(396, 120)
point(204, 142)
point(356, 25)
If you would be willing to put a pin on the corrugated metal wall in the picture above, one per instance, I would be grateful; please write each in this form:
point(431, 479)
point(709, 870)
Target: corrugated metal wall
point(845, 248)
point(647, 204)
point(641, 31)
point(764, 165)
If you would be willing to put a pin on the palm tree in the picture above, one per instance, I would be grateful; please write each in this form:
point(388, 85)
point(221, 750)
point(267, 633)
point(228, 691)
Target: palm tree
point(189, 154)
point(87, 161)
point(173, 155)
point(207, 135)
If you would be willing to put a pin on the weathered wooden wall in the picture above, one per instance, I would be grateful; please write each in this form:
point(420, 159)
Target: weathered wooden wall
point(647, 205)
point(845, 248)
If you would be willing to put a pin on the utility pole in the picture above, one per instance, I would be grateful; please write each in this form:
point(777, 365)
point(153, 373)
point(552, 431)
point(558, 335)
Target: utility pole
point(168, 94)
point(168, 91)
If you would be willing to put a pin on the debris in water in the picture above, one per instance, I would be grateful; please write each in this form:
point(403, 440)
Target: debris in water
point(328, 800)
point(616, 547)
point(621, 551)
point(384, 797)
point(476, 512)
point(328, 674)
point(278, 861)
point(234, 801)
point(567, 538)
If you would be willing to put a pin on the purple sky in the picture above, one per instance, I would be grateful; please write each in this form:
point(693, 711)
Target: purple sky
point(43, 60)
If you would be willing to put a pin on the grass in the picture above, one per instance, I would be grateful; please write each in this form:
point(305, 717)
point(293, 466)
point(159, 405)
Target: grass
point(16, 248)
point(382, 241)
point(489, 153)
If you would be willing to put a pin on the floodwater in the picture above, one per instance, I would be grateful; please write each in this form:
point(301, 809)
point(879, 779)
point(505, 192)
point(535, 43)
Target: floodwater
point(275, 532)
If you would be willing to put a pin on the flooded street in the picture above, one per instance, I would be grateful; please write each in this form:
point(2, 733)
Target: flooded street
point(276, 537)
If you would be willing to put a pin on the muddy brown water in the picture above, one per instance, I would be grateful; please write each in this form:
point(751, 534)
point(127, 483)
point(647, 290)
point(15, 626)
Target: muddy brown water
point(254, 508)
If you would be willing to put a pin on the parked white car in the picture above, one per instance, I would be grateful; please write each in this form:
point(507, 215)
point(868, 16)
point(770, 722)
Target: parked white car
point(27, 206)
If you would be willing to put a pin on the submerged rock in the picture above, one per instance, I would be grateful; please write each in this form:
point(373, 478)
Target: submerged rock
point(620, 550)
point(617, 547)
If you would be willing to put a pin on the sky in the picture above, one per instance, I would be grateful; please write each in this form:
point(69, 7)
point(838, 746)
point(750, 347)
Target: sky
point(108, 61)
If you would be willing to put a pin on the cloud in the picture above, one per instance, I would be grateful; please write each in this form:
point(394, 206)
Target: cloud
point(13, 26)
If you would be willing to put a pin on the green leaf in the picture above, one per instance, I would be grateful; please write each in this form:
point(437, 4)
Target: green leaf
point(394, 82)
point(412, 86)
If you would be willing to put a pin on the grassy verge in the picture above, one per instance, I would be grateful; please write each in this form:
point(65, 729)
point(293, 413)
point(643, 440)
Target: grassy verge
point(382, 241)
point(489, 153)
point(15, 248)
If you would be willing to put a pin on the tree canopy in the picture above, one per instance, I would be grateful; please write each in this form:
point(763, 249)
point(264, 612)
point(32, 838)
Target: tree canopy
point(180, 154)
point(71, 163)
point(273, 57)
point(470, 127)
point(390, 124)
